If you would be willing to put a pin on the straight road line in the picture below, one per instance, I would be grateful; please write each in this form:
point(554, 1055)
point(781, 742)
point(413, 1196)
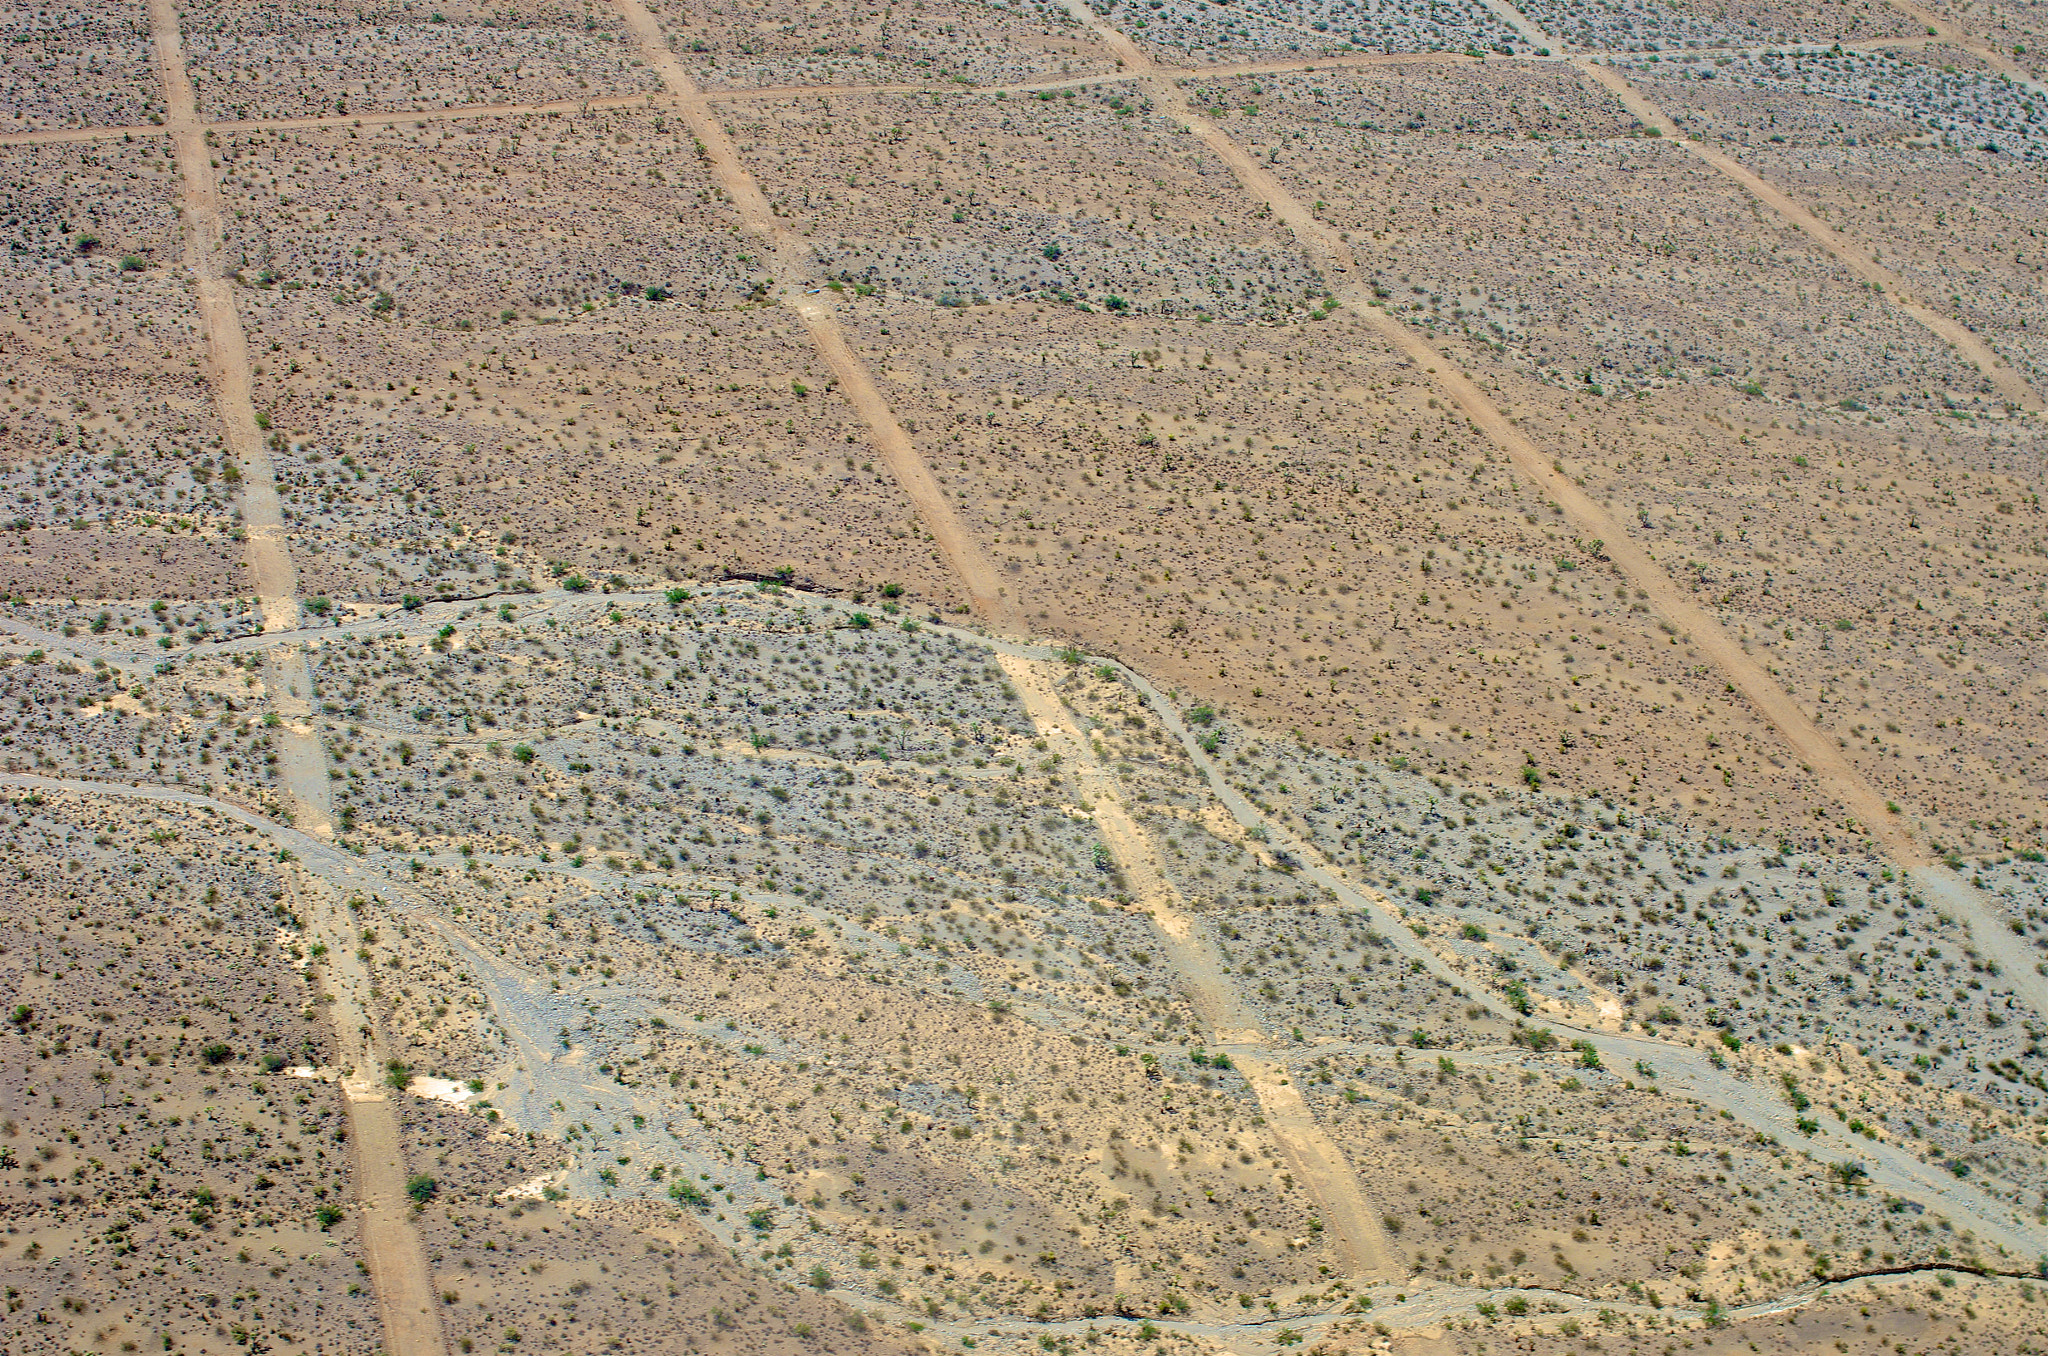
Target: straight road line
point(794, 270)
point(391, 1246)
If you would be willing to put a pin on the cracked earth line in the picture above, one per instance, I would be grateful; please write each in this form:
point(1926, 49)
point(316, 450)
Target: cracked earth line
point(1315, 1156)
point(794, 269)
point(391, 1247)
point(1869, 810)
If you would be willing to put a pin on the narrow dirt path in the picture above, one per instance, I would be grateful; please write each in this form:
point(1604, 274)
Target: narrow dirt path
point(58, 136)
point(1316, 1157)
point(793, 269)
point(1869, 810)
point(391, 1247)
point(48, 136)
point(778, 93)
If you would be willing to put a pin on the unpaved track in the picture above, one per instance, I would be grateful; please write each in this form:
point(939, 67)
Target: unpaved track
point(391, 1247)
point(1316, 1157)
point(1868, 809)
point(58, 136)
point(405, 1296)
point(793, 269)
point(268, 560)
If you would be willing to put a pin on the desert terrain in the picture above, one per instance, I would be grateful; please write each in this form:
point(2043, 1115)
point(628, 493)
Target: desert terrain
point(1164, 677)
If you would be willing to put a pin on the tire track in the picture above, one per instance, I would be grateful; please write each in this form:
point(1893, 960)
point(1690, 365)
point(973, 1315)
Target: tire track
point(1313, 1153)
point(1870, 811)
point(390, 1245)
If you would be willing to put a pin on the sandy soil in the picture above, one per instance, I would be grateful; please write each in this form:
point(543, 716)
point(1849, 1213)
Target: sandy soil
point(1026, 676)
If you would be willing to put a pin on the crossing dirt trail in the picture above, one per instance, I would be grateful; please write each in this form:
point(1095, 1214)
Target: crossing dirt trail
point(1670, 602)
point(1316, 1158)
point(391, 1246)
point(794, 273)
point(1869, 811)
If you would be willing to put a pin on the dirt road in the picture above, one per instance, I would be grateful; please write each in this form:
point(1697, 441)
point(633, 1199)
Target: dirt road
point(391, 1247)
point(1846, 252)
point(1315, 1157)
point(794, 271)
